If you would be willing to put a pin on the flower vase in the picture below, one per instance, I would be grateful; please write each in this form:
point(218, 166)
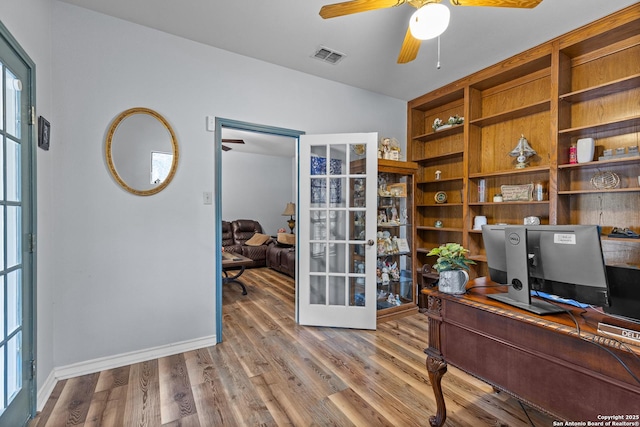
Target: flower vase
point(453, 282)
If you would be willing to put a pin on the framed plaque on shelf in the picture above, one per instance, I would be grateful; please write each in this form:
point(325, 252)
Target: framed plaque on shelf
point(403, 246)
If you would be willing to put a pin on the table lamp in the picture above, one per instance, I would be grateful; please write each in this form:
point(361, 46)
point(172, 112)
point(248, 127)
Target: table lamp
point(290, 211)
point(522, 151)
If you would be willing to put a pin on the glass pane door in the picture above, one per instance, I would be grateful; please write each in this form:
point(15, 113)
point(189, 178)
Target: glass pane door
point(336, 282)
point(17, 395)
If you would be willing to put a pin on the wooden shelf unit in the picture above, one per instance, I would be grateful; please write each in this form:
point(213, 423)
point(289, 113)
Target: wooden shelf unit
point(585, 83)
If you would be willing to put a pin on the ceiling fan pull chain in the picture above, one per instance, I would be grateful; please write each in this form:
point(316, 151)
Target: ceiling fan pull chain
point(438, 63)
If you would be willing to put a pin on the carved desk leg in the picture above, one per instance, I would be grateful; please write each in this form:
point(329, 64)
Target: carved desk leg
point(436, 365)
point(437, 368)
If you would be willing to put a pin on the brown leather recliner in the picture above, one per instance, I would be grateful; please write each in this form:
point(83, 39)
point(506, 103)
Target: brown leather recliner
point(242, 230)
point(282, 258)
point(228, 243)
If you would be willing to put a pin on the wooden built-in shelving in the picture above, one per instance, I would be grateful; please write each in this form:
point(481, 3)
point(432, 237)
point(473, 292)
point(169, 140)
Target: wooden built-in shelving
point(583, 84)
point(516, 113)
point(609, 88)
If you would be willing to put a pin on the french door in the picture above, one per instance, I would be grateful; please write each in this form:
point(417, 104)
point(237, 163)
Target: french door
point(336, 230)
point(17, 390)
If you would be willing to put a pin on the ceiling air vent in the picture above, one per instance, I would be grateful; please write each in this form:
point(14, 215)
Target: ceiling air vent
point(328, 55)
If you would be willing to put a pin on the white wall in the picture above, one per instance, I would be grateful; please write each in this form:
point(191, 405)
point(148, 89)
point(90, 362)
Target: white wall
point(29, 21)
point(132, 272)
point(257, 187)
point(119, 273)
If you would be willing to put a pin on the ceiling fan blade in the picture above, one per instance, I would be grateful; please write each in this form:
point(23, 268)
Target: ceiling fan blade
point(356, 6)
point(233, 141)
point(409, 49)
point(225, 148)
point(524, 4)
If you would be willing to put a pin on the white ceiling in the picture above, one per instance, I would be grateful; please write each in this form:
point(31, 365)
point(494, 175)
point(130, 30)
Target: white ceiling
point(287, 33)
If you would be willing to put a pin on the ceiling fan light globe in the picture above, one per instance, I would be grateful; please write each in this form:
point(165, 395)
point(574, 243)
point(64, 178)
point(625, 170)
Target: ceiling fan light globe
point(429, 21)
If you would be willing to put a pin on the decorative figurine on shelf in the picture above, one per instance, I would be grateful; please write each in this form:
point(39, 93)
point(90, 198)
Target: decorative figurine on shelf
point(522, 152)
point(438, 174)
point(394, 272)
point(404, 217)
point(393, 245)
point(382, 217)
point(382, 185)
point(385, 147)
point(391, 299)
point(389, 149)
point(394, 215)
point(389, 246)
point(385, 245)
point(385, 276)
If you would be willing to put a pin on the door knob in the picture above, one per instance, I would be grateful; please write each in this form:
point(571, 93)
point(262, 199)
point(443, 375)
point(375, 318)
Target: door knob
point(370, 242)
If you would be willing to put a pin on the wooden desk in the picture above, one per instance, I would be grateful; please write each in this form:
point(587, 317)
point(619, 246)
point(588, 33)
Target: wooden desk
point(540, 360)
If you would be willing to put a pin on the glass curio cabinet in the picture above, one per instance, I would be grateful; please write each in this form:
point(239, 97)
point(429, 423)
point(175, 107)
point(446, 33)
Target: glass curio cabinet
point(395, 275)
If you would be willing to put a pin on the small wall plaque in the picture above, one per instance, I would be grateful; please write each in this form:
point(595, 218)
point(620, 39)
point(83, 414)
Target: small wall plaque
point(517, 193)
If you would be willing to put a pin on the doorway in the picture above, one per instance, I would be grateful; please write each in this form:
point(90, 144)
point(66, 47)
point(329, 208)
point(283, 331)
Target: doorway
point(233, 129)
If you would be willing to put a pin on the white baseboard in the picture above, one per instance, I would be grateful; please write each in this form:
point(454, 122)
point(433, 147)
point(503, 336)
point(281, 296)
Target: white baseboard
point(45, 391)
point(116, 361)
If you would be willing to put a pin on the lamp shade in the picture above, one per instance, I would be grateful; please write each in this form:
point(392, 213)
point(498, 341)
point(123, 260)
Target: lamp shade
point(429, 21)
point(290, 210)
point(523, 149)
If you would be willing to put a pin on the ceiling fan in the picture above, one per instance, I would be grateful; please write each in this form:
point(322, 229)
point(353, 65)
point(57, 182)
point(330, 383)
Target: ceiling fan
point(429, 21)
point(230, 141)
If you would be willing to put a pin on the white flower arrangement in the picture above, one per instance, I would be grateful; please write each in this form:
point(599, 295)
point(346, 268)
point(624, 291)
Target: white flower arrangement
point(453, 120)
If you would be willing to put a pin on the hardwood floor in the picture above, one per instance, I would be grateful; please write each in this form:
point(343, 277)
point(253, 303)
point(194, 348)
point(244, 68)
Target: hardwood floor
point(271, 372)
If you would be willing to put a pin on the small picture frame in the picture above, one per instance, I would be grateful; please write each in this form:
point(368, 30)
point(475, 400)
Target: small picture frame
point(44, 133)
point(397, 190)
point(403, 246)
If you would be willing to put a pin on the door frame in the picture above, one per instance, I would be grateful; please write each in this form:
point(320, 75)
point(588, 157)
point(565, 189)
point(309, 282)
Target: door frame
point(217, 186)
point(30, 265)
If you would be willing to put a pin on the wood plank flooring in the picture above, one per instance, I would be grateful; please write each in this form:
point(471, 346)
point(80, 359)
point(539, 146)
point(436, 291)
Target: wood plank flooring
point(271, 372)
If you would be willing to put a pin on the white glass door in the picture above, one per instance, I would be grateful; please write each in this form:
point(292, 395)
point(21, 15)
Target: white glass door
point(336, 230)
point(17, 393)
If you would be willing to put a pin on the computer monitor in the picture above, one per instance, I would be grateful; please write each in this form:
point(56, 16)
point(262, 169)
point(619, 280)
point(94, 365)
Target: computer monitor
point(562, 260)
point(624, 290)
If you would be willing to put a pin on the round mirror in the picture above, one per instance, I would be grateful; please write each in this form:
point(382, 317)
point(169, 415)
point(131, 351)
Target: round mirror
point(142, 151)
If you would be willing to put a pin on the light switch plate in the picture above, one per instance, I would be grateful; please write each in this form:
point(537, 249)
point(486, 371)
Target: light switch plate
point(211, 123)
point(207, 198)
